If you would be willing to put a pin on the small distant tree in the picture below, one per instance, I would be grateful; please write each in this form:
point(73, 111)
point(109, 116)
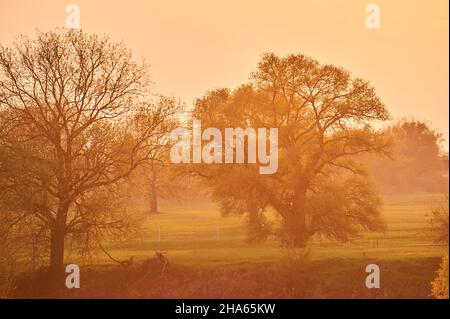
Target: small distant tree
point(157, 179)
point(163, 183)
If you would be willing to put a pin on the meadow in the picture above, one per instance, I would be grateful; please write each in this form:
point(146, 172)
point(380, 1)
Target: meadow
point(195, 233)
point(209, 256)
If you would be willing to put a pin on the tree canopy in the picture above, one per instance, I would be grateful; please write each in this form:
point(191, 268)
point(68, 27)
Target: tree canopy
point(76, 118)
point(325, 119)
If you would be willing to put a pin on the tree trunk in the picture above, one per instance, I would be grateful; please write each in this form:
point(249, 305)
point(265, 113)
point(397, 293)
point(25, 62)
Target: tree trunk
point(58, 233)
point(153, 199)
point(57, 250)
point(153, 191)
point(296, 232)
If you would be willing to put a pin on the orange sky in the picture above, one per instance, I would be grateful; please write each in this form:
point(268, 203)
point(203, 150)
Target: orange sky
point(197, 45)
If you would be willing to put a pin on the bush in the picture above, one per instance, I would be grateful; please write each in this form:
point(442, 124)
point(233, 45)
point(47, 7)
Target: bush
point(440, 283)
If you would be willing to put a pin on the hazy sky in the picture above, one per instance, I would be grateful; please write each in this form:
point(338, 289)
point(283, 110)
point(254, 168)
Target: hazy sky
point(197, 45)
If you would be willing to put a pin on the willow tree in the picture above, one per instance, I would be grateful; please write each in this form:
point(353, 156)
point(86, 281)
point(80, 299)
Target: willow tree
point(74, 123)
point(325, 119)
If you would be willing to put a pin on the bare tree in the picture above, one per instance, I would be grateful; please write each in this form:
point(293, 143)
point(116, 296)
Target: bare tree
point(73, 124)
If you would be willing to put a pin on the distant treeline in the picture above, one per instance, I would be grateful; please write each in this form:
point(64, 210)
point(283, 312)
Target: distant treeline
point(416, 162)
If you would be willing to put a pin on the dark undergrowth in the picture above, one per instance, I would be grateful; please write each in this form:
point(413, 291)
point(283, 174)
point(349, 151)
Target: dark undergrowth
point(334, 278)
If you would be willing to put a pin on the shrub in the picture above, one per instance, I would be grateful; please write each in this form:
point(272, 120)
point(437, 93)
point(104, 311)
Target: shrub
point(440, 283)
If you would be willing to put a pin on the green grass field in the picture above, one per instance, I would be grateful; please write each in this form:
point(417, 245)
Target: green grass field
point(196, 233)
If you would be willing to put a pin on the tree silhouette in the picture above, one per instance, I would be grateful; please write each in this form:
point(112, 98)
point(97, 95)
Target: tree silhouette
point(325, 119)
point(74, 123)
